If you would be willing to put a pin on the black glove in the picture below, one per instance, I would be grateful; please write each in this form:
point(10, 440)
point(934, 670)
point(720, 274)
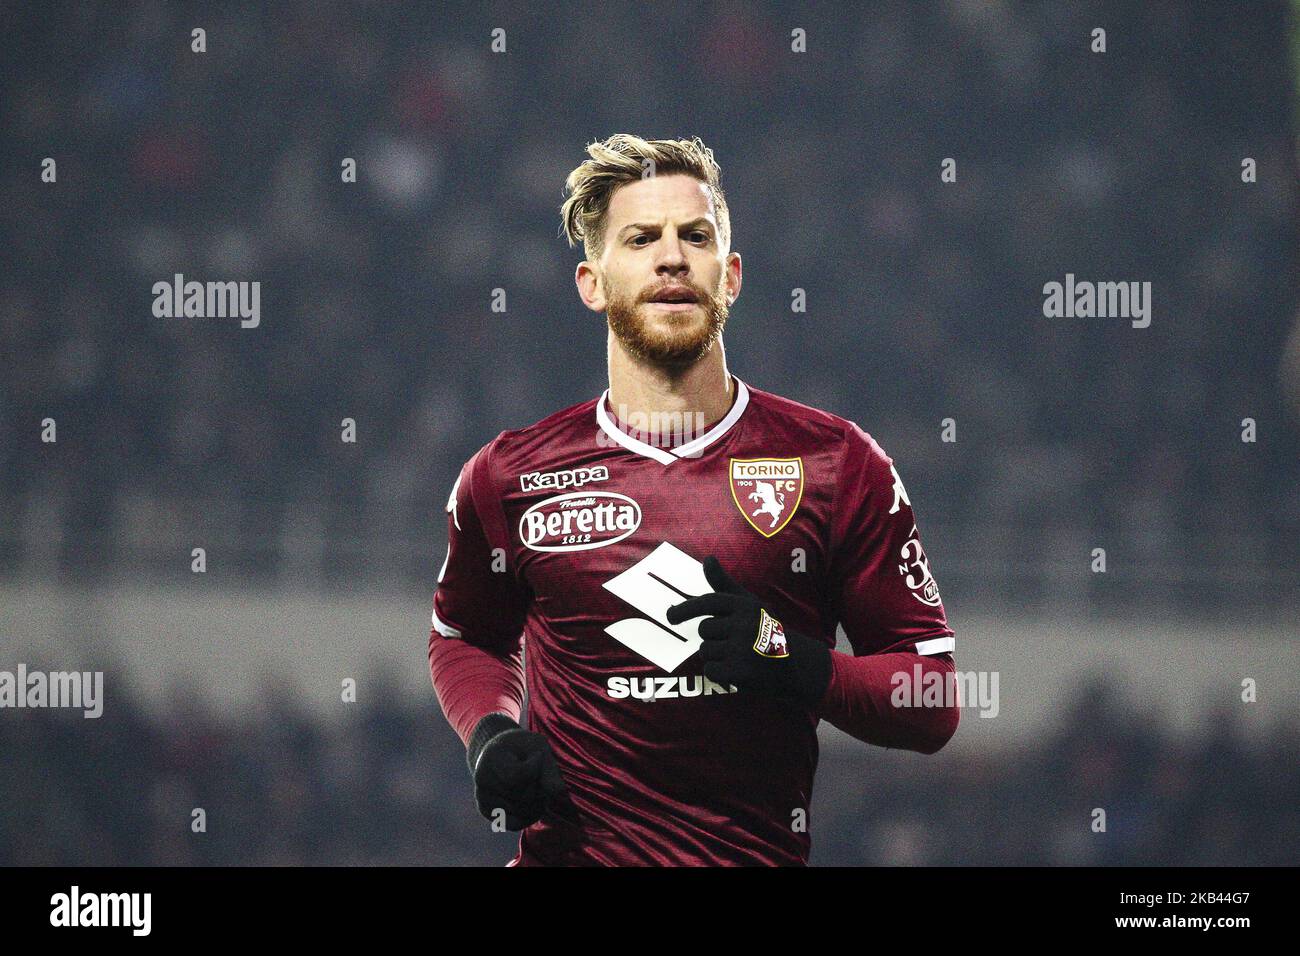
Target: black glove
point(514, 770)
point(746, 646)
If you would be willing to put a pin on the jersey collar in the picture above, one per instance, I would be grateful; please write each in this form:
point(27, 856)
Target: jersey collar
point(691, 449)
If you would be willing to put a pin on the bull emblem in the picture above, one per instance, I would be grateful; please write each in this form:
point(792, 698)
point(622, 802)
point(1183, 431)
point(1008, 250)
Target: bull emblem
point(773, 501)
point(771, 637)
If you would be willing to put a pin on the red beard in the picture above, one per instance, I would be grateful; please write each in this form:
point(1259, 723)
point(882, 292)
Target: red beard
point(687, 338)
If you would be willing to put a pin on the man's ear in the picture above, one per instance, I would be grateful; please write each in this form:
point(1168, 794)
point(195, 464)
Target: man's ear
point(591, 287)
point(734, 276)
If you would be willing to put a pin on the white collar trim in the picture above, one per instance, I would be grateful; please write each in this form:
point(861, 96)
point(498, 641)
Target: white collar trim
point(666, 456)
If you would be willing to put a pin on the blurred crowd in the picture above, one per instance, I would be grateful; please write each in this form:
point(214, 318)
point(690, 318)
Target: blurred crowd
point(386, 783)
point(924, 298)
point(924, 304)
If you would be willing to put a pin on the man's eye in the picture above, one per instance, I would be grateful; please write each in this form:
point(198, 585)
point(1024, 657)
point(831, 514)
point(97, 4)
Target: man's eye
point(700, 236)
point(636, 239)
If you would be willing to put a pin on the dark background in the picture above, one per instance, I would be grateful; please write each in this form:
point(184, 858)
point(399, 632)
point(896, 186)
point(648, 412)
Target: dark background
point(924, 303)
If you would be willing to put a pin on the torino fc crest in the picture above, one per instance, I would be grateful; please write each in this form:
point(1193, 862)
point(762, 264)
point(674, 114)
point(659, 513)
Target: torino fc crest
point(767, 491)
point(771, 637)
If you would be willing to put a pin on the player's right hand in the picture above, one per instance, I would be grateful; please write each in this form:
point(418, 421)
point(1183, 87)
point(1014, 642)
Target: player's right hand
point(516, 774)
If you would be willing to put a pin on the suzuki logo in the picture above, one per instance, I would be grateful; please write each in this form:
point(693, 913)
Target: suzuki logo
point(664, 577)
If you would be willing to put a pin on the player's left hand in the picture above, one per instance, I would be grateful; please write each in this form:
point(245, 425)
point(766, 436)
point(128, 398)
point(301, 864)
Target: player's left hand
point(746, 646)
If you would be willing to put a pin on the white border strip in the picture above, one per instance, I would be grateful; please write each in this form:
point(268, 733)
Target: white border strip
point(627, 441)
point(688, 450)
point(446, 630)
point(717, 431)
point(940, 645)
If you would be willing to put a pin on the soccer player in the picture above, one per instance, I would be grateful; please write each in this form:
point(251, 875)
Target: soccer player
point(674, 558)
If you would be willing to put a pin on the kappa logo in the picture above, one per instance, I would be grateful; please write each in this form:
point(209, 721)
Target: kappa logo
point(900, 493)
point(559, 480)
point(771, 489)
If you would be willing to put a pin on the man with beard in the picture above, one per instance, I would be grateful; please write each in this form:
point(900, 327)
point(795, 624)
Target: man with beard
point(677, 590)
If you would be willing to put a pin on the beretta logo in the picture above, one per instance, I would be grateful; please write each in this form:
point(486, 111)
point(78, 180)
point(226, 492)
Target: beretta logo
point(579, 521)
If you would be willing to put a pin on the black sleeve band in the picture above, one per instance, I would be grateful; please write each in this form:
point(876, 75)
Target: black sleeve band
point(487, 728)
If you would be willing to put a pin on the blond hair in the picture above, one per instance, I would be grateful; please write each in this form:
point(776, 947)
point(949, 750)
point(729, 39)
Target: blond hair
point(623, 159)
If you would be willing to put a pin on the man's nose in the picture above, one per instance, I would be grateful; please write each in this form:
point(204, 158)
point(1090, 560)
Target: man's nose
point(672, 255)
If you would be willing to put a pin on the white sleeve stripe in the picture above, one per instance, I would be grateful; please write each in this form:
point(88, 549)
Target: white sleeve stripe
point(940, 645)
point(446, 630)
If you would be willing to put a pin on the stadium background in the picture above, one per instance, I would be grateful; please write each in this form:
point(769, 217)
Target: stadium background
point(1118, 690)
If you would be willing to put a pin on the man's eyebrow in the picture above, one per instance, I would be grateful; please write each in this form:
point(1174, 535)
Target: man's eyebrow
point(642, 226)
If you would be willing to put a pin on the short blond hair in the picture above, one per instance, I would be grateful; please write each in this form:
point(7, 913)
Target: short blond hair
point(623, 159)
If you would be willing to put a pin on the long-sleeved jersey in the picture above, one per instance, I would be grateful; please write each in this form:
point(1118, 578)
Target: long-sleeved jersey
point(570, 539)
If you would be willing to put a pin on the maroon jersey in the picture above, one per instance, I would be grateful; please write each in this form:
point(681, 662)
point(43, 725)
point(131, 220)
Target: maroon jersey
point(574, 537)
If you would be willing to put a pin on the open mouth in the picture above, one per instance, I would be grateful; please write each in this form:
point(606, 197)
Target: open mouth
point(675, 297)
